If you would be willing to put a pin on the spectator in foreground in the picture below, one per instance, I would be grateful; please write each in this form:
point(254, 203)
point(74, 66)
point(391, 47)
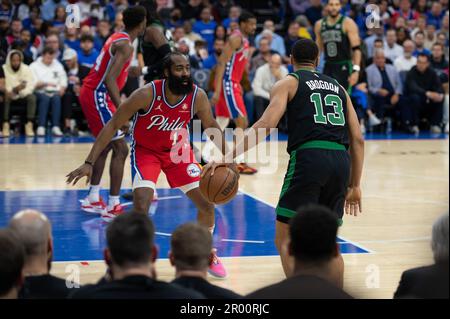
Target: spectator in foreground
point(19, 87)
point(130, 256)
point(318, 267)
point(12, 257)
point(191, 254)
point(430, 281)
point(34, 231)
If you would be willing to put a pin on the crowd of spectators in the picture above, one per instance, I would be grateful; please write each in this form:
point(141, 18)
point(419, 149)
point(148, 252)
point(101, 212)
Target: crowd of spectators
point(44, 59)
point(317, 268)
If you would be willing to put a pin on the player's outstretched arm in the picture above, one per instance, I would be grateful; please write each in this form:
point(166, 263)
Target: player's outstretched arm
point(122, 52)
point(204, 113)
point(280, 95)
point(233, 44)
point(353, 198)
point(139, 100)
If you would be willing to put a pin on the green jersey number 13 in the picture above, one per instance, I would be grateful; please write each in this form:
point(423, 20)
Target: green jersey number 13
point(336, 117)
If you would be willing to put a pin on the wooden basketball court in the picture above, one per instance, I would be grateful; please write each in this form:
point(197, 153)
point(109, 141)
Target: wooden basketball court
point(405, 188)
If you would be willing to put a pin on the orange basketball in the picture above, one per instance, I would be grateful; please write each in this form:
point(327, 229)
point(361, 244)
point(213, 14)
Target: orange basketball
point(221, 187)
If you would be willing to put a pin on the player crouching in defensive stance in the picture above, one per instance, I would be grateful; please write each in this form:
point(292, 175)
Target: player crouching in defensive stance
point(162, 111)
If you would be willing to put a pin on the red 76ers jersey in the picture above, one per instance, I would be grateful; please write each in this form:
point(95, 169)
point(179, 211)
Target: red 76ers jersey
point(164, 125)
point(95, 79)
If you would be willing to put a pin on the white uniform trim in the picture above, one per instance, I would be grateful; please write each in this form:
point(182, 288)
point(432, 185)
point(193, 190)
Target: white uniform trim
point(188, 187)
point(140, 183)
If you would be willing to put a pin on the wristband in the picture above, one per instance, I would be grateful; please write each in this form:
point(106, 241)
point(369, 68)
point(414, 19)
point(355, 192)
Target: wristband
point(145, 70)
point(356, 68)
point(89, 163)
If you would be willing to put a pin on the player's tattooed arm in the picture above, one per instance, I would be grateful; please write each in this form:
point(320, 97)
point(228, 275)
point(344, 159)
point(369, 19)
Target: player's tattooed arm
point(353, 197)
point(122, 52)
point(233, 44)
point(212, 128)
point(138, 100)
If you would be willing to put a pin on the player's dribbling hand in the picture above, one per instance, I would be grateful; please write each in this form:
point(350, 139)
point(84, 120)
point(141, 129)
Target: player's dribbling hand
point(80, 172)
point(211, 167)
point(125, 128)
point(353, 201)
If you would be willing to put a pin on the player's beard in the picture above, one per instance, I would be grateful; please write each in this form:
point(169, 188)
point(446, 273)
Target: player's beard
point(334, 14)
point(176, 85)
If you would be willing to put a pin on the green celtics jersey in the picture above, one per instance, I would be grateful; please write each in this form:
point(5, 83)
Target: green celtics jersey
point(335, 41)
point(318, 111)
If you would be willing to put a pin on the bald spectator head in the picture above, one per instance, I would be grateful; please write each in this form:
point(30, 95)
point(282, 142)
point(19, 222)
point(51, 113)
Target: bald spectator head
point(408, 48)
point(191, 249)
point(35, 232)
point(275, 62)
point(11, 264)
point(439, 239)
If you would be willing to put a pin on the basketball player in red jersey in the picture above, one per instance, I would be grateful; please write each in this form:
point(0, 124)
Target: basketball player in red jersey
point(99, 97)
point(162, 111)
point(228, 96)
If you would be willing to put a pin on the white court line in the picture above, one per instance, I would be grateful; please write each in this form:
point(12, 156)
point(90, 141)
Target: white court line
point(244, 241)
point(257, 198)
point(347, 241)
point(420, 201)
point(163, 234)
point(225, 239)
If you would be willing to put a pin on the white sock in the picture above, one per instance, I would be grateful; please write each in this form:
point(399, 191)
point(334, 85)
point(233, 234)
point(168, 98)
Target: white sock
point(113, 201)
point(94, 193)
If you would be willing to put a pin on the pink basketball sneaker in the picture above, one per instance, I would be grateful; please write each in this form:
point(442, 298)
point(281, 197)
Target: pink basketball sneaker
point(216, 269)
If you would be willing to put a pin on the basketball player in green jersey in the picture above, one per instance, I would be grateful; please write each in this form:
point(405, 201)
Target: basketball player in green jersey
point(324, 142)
point(338, 37)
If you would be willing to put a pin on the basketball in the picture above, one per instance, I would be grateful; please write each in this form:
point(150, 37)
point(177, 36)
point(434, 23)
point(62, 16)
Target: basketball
point(221, 187)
